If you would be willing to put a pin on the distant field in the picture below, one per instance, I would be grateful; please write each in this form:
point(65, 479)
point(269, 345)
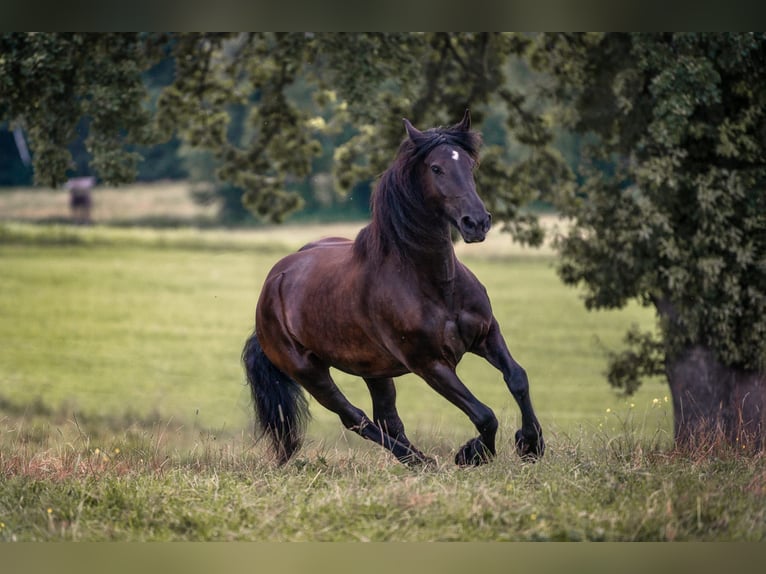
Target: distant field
point(164, 202)
point(147, 209)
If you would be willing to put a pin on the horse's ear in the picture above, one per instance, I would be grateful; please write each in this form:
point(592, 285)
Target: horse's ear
point(465, 123)
point(412, 132)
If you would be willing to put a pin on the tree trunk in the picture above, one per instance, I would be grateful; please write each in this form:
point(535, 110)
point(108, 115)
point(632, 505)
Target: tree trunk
point(714, 403)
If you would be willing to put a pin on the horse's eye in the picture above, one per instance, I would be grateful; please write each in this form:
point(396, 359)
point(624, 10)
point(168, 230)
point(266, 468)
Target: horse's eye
point(436, 169)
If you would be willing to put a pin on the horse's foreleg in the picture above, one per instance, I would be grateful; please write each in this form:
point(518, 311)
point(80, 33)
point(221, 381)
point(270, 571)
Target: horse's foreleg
point(529, 438)
point(443, 379)
point(385, 415)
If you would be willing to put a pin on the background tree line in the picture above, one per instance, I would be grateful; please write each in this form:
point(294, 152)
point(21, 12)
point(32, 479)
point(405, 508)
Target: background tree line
point(652, 145)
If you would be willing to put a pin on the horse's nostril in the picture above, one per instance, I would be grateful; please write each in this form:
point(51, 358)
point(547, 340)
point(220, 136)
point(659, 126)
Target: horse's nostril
point(468, 223)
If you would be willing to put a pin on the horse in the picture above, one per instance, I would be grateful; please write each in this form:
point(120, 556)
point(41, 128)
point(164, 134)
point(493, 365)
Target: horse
point(395, 300)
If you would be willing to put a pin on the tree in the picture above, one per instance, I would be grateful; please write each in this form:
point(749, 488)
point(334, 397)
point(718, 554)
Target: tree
point(366, 81)
point(363, 85)
point(670, 209)
point(50, 82)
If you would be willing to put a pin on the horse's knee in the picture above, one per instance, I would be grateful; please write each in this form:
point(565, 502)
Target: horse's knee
point(518, 382)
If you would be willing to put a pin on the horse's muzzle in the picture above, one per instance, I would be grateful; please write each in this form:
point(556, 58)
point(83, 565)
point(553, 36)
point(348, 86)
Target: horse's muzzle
point(474, 230)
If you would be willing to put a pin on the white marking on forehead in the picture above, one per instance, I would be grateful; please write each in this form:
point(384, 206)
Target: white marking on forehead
point(455, 155)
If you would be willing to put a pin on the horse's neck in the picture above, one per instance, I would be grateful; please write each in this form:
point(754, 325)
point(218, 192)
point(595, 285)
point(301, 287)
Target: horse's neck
point(426, 249)
point(436, 266)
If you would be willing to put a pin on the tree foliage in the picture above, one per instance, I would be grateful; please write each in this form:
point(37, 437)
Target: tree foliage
point(671, 208)
point(363, 85)
point(50, 82)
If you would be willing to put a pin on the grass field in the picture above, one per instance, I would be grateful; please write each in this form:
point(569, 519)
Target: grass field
point(124, 415)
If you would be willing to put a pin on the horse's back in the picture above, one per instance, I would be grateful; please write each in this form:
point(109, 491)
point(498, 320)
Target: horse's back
point(318, 300)
point(327, 242)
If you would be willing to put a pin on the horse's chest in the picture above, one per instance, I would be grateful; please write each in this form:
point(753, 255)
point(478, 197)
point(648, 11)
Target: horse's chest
point(460, 334)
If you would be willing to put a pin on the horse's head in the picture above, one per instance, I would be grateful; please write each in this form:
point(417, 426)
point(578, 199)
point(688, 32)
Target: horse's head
point(449, 158)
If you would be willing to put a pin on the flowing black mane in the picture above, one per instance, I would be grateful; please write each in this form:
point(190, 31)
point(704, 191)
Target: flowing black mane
point(400, 218)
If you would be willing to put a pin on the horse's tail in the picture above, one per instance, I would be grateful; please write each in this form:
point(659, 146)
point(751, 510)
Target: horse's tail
point(281, 409)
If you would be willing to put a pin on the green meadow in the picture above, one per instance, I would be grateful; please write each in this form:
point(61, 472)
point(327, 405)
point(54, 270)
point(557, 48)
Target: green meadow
point(124, 415)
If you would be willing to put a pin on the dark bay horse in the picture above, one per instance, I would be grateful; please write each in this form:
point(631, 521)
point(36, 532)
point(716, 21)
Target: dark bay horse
point(393, 301)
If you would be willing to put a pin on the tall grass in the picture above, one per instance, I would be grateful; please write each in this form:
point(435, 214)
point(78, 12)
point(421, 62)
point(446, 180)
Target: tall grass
point(139, 485)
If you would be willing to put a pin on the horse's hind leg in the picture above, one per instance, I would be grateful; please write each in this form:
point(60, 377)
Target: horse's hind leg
point(383, 394)
point(385, 415)
point(319, 384)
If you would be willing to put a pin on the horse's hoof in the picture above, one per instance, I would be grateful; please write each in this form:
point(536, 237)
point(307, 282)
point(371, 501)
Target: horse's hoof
point(418, 460)
point(529, 450)
point(473, 453)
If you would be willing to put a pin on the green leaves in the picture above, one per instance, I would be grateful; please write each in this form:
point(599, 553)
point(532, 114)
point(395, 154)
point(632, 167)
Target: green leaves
point(644, 356)
point(242, 97)
point(670, 199)
point(53, 82)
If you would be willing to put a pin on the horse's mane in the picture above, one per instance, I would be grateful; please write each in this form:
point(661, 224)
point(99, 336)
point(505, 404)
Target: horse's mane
point(399, 214)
